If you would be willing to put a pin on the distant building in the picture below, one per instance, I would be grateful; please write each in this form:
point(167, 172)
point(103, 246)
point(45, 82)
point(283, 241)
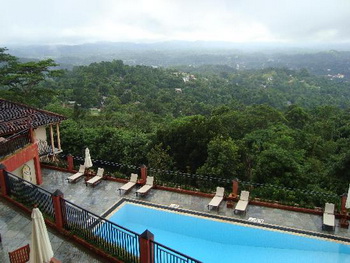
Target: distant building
point(23, 138)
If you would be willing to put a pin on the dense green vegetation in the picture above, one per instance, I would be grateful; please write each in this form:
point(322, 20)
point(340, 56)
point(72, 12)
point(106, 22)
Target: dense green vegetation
point(272, 126)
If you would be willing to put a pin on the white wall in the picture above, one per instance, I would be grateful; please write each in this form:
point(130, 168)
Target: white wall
point(27, 173)
point(40, 133)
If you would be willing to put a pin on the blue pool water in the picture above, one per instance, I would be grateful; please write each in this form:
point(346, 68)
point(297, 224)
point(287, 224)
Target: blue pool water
point(220, 242)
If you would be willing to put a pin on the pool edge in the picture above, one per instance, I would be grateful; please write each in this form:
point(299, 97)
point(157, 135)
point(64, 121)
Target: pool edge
point(272, 227)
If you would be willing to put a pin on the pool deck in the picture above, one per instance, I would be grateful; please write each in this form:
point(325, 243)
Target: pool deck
point(15, 225)
point(15, 230)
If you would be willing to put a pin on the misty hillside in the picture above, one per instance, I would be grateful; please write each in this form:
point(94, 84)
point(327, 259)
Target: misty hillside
point(321, 60)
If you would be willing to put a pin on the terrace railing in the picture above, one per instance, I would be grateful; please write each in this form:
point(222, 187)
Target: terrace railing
point(14, 143)
point(112, 238)
point(163, 254)
point(29, 195)
point(112, 168)
point(207, 183)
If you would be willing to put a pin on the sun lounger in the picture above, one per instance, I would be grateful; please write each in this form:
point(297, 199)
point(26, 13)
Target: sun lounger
point(242, 203)
point(126, 187)
point(328, 217)
point(75, 177)
point(217, 199)
point(97, 178)
point(148, 186)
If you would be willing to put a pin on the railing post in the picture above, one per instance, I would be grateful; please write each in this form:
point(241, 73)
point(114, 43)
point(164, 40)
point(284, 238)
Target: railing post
point(3, 185)
point(343, 212)
point(56, 200)
point(31, 135)
point(70, 162)
point(146, 247)
point(143, 170)
point(234, 188)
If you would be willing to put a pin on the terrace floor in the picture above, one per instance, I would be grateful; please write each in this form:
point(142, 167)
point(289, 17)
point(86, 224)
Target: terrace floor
point(100, 198)
point(15, 231)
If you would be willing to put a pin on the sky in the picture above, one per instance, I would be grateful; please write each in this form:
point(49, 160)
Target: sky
point(87, 21)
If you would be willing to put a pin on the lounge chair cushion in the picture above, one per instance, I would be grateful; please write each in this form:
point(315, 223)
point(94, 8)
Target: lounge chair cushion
point(127, 186)
point(98, 177)
point(328, 220)
point(216, 201)
point(244, 196)
point(144, 189)
point(148, 186)
point(241, 205)
point(100, 172)
point(328, 216)
point(133, 178)
point(329, 208)
point(77, 175)
point(220, 191)
point(242, 202)
point(94, 179)
point(149, 180)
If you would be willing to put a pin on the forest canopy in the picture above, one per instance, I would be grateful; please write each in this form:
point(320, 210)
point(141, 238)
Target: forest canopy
point(273, 125)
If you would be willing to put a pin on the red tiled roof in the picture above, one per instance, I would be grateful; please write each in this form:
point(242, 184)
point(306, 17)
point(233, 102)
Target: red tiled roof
point(15, 117)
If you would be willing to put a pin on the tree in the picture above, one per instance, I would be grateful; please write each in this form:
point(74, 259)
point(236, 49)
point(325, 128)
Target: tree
point(297, 117)
point(22, 78)
point(223, 158)
point(188, 138)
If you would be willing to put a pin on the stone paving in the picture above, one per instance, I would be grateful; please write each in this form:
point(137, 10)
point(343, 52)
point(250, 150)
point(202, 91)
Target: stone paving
point(15, 230)
point(100, 198)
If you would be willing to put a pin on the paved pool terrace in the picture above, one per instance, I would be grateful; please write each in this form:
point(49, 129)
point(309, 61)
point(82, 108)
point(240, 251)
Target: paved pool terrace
point(15, 225)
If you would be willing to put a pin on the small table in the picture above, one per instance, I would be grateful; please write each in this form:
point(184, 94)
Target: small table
point(230, 201)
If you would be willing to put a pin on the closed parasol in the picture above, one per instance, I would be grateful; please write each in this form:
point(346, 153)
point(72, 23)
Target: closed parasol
point(40, 249)
point(87, 162)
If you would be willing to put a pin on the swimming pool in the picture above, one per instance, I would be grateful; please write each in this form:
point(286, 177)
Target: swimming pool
point(219, 241)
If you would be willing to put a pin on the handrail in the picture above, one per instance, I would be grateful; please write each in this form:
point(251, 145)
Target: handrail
point(16, 135)
point(101, 218)
point(177, 256)
point(14, 143)
point(29, 183)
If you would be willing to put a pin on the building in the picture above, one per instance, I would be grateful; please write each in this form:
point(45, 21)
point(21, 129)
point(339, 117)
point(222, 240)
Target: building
point(24, 133)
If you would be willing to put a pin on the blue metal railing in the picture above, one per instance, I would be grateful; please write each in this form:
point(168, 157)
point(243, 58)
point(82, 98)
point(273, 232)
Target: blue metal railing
point(29, 194)
point(163, 254)
point(112, 238)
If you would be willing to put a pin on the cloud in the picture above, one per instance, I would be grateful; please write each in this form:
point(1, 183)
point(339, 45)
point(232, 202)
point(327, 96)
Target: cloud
point(157, 20)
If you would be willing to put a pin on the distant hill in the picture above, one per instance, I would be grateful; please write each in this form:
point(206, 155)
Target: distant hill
point(321, 60)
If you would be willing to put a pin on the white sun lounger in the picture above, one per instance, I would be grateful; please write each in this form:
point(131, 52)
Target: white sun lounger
point(328, 217)
point(75, 177)
point(97, 178)
point(242, 204)
point(217, 199)
point(148, 186)
point(126, 187)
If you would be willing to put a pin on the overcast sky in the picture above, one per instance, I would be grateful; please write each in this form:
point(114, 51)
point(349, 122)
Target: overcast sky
point(80, 21)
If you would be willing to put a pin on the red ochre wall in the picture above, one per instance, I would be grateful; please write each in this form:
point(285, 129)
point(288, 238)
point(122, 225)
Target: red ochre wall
point(20, 158)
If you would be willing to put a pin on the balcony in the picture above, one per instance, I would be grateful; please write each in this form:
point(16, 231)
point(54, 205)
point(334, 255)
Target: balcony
point(14, 143)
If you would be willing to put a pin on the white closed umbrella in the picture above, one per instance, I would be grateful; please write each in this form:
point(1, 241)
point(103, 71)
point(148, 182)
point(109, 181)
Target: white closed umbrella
point(87, 162)
point(40, 248)
point(347, 204)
